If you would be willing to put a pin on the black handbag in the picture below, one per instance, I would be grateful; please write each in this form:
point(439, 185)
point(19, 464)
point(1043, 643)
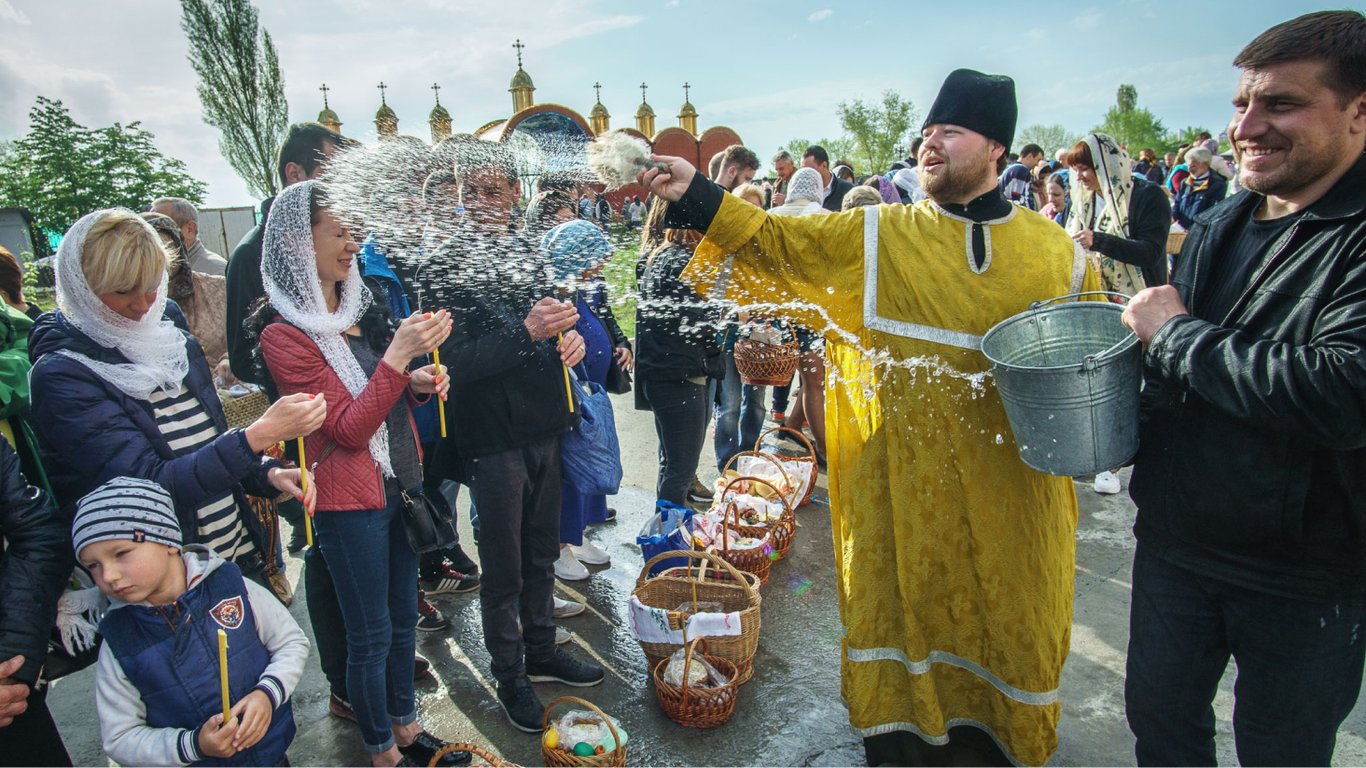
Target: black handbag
point(618, 380)
point(430, 526)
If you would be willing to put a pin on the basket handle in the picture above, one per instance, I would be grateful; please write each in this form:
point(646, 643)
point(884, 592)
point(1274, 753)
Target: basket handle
point(688, 653)
point(707, 557)
point(1045, 302)
point(545, 718)
point(463, 746)
point(811, 449)
point(787, 505)
point(760, 454)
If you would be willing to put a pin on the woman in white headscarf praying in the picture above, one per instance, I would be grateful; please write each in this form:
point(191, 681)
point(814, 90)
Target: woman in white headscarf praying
point(121, 388)
point(321, 333)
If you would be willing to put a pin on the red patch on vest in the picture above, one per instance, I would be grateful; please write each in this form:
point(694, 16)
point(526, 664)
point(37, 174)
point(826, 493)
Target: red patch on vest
point(228, 613)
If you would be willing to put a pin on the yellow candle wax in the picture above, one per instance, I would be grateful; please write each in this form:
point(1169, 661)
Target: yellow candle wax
point(568, 390)
point(440, 404)
point(223, 673)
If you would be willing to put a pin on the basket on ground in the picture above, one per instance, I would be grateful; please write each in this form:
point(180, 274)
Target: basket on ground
point(480, 753)
point(808, 461)
point(1069, 377)
point(707, 578)
point(780, 532)
point(693, 706)
point(761, 364)
point(566, 759)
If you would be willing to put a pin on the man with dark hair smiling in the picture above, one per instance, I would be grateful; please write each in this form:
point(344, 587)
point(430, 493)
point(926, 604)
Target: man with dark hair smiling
point(1249, 478)
point(955, 561)
point(816, 157)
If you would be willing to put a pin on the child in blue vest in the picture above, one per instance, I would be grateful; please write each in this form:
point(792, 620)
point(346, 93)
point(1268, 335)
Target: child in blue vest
point(157, 685)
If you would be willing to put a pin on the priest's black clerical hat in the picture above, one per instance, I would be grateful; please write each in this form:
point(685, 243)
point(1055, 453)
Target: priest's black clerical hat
point(979, 102)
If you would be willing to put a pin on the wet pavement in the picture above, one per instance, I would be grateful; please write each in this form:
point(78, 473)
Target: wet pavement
point(790, 713)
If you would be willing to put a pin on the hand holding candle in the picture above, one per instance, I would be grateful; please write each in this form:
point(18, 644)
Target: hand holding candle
point(223, 674)
point(440, 401)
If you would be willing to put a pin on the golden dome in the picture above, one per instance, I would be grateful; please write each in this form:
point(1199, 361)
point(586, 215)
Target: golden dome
point(385, 113)
point(521, 80)
point(688, 110)
point(439, 113)
point(644, 110)
point(328, 117)
point(599, 111)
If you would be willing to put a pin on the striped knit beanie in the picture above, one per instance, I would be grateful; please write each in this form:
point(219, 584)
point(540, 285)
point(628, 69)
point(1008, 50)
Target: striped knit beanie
point(125, 508)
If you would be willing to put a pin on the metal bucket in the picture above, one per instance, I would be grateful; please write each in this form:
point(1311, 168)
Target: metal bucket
point(1069, 375)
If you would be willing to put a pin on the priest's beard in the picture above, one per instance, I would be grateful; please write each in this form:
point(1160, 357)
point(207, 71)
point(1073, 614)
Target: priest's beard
point(960, 179)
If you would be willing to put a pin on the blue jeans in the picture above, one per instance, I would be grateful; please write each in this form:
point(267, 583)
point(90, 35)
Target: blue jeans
point(1299, 668)
point(375, 572)
point(740, 416)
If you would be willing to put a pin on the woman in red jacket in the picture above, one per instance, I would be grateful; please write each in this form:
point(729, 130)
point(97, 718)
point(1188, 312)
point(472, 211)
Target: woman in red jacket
point(322, 336)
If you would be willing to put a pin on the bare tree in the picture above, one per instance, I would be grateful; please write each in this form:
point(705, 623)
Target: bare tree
point(240, 86)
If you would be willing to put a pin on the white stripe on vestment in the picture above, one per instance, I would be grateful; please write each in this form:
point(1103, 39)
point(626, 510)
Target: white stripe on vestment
point(922, 666)
point(909, 330)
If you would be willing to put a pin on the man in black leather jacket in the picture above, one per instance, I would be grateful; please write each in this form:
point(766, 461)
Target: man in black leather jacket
point(1250, 479)
point(35, 559)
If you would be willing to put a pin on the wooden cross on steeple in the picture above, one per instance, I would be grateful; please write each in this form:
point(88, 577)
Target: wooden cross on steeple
point(381, 87)
point(643, 86)
point(518, 45)
point(325, 89)
point(436, 89)
point(597, 91)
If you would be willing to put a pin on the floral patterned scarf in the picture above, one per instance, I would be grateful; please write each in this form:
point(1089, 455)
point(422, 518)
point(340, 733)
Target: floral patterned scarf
point(1114, 172)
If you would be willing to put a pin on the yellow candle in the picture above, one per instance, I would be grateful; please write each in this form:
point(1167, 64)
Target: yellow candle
point(568, 391)
point(303, 468)
point(223, 673)
point(440, 404)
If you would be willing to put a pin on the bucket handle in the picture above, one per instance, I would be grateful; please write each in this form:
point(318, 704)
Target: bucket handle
point(1090, 362)
point(1056, 299)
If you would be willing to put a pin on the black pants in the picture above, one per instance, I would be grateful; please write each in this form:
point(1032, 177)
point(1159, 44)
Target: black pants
point(324, 613)
point(681, 409)
point(518, 495)
point(780, 397)
point(967, 746)
point(32, 739)
point(1299, 668)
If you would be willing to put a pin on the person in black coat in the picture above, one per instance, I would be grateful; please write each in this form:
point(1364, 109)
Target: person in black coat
point(35, 558)
point(836, 188)
point(1199, 191)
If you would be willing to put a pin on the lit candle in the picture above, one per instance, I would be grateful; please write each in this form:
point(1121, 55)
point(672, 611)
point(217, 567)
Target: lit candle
point(568, 391)
point(223, 674)
point(440, 404)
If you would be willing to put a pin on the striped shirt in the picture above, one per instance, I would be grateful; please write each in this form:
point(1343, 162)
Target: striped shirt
point(186, 425)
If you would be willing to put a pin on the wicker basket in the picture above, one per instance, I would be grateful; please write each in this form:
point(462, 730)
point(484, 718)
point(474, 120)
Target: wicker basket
point(567, 759)
point(711, 580)
point(242, 411)
point(488, 757)
point(757, 560)
point(766, 365)
point(781, 532)
point(1174, 242)
point(774, 460)
point(809, 459)
point(698, 707)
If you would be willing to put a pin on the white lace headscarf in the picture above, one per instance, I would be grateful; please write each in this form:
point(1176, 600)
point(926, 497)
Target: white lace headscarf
point(289, 271)
point(1114, 174)
point(153, 346)
point(804, 194)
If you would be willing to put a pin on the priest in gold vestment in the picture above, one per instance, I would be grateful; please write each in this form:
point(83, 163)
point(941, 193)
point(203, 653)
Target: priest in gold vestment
point(955, 560)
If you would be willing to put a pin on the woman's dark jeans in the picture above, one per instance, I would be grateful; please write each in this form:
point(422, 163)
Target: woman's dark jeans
point(375, 572)
point(681, 409)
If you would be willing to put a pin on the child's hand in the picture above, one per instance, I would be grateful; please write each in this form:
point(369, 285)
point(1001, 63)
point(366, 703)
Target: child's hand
point(215, 738)
point(254, 711)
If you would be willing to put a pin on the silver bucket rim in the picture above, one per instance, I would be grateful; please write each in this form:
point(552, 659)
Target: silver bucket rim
point(1090, 362)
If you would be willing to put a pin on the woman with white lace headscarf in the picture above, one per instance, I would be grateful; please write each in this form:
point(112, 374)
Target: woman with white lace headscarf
point(1121, 220)
point(321, 332)
point(120, 388)
point(804, 193)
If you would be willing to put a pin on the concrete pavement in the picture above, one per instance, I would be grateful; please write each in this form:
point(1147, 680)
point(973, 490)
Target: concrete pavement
point(789, 714)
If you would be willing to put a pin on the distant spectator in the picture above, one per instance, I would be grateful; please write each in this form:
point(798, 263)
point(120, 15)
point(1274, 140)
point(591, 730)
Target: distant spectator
point(737, 166)
point(12, 284)
point(186, 217)
point(835, 188)
point(845, 171)
point(750, 193)
point(860, 196)
point(885, 188)
point(201, 296)
point(1015, 182)
point(1148, 167)
point(1200, 190)
point(784, 167)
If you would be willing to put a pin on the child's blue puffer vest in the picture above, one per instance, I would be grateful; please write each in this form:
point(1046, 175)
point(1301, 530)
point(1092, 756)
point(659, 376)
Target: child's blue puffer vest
point(170, 654)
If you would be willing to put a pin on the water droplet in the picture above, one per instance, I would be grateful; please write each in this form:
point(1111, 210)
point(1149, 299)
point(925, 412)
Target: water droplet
point(1000, 440)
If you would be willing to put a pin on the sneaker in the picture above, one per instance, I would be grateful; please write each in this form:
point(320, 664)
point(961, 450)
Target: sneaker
point(449, 582)
point(566, 608)
point(567, 568)
point(1106, 483)
point(561, 636)
point(778, 417)
point(461, 562)
point(340, 708)
point(425, 747)
point(589, 553)
point(611, 515)
point(422, 669)
point(523, 708)
point(429, 619)
point(699, 492)
point(563, 668)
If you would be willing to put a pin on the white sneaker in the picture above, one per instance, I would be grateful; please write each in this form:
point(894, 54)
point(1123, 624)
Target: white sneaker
point(566, 608)
point(1106, 483)
point(589, 553)
point(567, 568)
point(561, 635)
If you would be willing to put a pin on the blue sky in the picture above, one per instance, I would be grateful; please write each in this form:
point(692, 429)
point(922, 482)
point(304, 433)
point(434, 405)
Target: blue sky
point(773, 71)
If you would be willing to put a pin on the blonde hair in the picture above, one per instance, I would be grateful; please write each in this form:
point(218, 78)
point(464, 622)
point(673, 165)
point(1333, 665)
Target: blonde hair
point(860, 195)
point(749, 191)
point(123, 253)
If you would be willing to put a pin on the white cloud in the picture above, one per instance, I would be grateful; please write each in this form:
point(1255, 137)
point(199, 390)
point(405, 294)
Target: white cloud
point(11, 14)
point(820, 15)
point(671, 4)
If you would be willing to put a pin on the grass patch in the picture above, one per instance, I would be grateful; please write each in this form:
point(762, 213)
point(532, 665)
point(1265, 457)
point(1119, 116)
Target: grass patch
point(620, 275)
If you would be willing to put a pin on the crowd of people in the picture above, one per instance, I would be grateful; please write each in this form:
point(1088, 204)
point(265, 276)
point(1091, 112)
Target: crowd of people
point(438, 352)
